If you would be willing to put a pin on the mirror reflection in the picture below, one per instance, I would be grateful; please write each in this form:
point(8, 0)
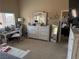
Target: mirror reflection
point(40, 18)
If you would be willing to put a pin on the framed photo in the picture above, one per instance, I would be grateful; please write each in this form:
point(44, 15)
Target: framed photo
point(64, 14)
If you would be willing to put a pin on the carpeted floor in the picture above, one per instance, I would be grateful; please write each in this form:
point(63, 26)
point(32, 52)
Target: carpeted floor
point(42, 49)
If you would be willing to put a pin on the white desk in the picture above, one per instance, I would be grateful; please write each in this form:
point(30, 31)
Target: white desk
point(7, 33)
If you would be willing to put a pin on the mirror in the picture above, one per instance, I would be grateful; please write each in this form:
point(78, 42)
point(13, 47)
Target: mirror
point(40, 17)
point(54, 33)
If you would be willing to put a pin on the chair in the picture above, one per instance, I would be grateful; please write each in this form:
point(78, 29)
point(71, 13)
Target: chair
point(17, 35)
point(1, 39)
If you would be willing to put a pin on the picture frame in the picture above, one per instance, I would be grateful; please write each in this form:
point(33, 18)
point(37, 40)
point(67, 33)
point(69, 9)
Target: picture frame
point(64, 14)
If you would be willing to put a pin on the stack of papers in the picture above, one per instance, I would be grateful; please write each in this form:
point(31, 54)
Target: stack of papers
point(5, 49)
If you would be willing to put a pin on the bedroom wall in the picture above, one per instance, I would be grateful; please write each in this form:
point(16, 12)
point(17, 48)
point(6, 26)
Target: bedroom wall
point(10, 6)
point(53, 7)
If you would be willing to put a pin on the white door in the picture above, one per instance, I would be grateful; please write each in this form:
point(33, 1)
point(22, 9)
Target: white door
point(70, 44)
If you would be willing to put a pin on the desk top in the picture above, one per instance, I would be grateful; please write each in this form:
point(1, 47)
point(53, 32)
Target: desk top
point(10, 32)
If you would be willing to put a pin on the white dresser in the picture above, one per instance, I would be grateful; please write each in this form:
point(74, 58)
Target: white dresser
point(38, 32)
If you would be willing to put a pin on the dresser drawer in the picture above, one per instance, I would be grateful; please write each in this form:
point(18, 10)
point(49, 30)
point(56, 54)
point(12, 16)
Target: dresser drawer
point(39, 32)
point(44, 38)
point(32, 35)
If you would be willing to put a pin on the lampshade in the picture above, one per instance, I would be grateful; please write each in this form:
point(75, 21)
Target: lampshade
point(19, 19)
point(0, 23)
point(74, 13)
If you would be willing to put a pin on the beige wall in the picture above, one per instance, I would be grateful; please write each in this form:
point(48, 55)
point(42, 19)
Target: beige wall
point(9, 6)
point(53, 7)
point(27, 7)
